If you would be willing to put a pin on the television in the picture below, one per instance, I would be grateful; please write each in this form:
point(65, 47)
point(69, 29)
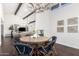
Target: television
point(22, 29)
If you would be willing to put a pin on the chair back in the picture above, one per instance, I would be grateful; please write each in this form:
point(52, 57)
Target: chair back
point(54, 38)
point(19, 48)
point(23, 49)
point(51, 43)
point(49, 46)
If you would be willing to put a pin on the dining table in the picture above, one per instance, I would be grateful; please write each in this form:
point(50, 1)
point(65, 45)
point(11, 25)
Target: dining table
point(34, 42)
point(28, 39)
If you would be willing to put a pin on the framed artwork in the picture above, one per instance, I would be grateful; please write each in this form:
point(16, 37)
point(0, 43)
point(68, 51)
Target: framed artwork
point(60, 23)
point(73, 21)
point(60, 29)
point(60, 26)
point(72, 29)
point(72, 25)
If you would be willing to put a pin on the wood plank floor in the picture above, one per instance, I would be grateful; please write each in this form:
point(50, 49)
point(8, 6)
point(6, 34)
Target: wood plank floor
point(66, 51)
point(8, 50)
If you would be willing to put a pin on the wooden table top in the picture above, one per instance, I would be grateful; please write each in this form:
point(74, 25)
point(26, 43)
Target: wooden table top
point(28, 39)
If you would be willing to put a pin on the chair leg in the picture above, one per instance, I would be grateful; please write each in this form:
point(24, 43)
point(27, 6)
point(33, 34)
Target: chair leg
point(43, 54)
point(52, 53)
point(48, 54)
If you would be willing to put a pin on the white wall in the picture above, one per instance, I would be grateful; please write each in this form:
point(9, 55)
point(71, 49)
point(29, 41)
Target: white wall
point(10, 20)
point(29, 19)
point(63, 13)
point(43, 22)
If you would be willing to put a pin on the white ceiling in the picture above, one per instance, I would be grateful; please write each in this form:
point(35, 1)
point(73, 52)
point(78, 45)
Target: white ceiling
point(25, 9)
point(9, 8)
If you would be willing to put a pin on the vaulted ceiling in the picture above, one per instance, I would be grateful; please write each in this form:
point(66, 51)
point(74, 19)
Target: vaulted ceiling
point(24, 10)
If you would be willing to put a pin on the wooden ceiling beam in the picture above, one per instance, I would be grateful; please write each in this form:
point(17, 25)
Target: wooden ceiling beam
point(29, 14)
point(19, 6)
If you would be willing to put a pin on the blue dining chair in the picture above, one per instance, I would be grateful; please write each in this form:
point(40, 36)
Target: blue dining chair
point(16, 40)
point(49, 47)
point(23, 49)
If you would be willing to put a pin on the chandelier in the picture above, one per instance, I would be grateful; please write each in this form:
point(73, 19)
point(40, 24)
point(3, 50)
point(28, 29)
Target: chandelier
point(40, 7)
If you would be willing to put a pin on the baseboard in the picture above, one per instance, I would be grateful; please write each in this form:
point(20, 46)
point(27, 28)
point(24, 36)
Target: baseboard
point(67, 46)
point(7, 35)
